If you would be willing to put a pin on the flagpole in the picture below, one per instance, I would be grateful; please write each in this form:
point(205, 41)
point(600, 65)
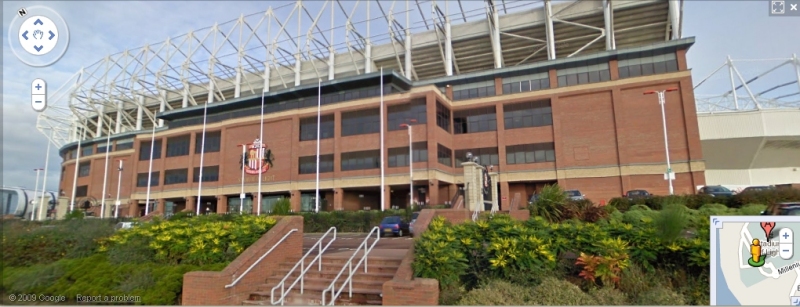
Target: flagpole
point(75, 176)
point(383, 180)
point(202, 155)
point(105, 175)
point(35, 190)
point(44, 180)
point(119, 185)
point(241, 195)
point(319, 119)
point(150, 170)
point(260, 150)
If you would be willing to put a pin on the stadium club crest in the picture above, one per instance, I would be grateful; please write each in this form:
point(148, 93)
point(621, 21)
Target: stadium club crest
point(257, 153)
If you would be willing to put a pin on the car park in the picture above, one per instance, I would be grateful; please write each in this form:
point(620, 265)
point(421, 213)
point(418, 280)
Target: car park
point(716, 191)
point(394, 225)
point(637, 194)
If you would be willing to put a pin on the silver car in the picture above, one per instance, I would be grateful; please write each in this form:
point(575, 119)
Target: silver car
point(574, 195)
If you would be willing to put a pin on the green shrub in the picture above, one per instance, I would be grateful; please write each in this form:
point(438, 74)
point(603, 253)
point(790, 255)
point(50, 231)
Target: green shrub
point(35, 243)
point(347, 221)
point(135, 251)
point(752, 209)
point(714, 209)
point(550, 203)
point(560, 292)
point(180, 216)
point(282, 206)
point(671, 222)
point(660, 296)
point(766, 197)
point(620, 203)
point(497, 293)
point(74, 215)
point(609, 296)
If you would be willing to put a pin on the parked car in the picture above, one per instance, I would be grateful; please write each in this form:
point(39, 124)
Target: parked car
point(394, 225)
point(716, 191)
point(757, 189)
point(411, 223)
point(637, 194)
point(785, 208)
point(124, 225)
point(574, 195)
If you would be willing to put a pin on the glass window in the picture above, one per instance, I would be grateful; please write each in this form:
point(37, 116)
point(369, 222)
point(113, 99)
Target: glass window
point(210, 174)
point(144, 150)
point(102, 148)
point(82, 191)
point(486, 156)
point(361, 122)
point(142, 179)
point(442, 116)
point(212, 142)
point(404, 113)
point(517, 115)
point(360, 160)
point(445, 155)
point(84, 169)
point(175, 176)
point(178, 146)
point(475, 120)
point(308, 127)
point(87, 150)
point(530, 153)
point(308, 164)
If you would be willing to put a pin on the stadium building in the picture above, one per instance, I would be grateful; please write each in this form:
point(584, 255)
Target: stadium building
point(542, 92)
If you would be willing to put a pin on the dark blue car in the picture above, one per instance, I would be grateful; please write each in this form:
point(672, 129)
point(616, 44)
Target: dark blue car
point(394, 225)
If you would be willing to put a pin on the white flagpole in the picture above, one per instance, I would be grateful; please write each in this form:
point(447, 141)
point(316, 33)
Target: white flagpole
point(260, 150)
point(202, 155)
point(119, 184)
point(383, 180)
point(241, 195)
point(44, 180)
point(105, 175)
point(319, 119)
point(150, 171)
point(75, 177)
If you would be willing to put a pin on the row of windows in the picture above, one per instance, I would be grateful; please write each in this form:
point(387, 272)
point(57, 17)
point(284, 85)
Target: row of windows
point(486, 156)
point(361, 122)
point(526, 86)
point(646, 69)
point(414, 112)
point(530, 153)
point(270, 108)
point(528, 114)
point(442, 116)
point(176, 176)
point(359, 160)
point(308, 127)
point(308, 165)
point(476, 92)
point(475, 120)
point(399, 156)
point(179, 145)
point(444, 155)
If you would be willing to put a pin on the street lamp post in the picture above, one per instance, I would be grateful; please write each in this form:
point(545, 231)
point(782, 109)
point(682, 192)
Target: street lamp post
point(661, 100)
point(410, 163)
point(35, 190)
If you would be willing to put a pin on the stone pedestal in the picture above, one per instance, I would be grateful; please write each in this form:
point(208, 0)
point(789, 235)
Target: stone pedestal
point(473, 184)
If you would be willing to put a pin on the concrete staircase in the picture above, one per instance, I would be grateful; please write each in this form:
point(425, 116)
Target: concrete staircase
point(367, 287)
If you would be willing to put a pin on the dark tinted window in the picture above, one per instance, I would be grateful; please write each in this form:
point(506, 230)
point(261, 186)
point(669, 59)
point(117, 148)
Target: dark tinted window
point(486, 156)
point(210, 174)
point(84, 169)
point(475, 120)
point(360, 160)
point(82, 191)
point(405, 113)
point(398, 156)
point(472, 93)
point(530, 153)
point(212, 142)
point(308, 164)
point(175, 176)
point(144, 150)
point(308, 127)
point(178, 146)
point(527, 114)
point(445, 155)
point(141, 179)
point(361, 122)
point(442, 116)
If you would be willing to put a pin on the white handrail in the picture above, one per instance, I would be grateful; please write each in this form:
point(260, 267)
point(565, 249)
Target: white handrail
point(303, 268)
point(351, 269)
point(262, 258)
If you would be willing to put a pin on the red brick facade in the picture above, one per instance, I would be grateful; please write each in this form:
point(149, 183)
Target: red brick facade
point(607, 136)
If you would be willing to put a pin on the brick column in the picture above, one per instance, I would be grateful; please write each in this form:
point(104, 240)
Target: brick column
point(295, 199)
point(387, 204)
point(133, 208)
point(256, 202)
point(433, 192)
point(338, 199)
point(161, 206)
point(504, 192)
point(222, 204)
point(191, 203)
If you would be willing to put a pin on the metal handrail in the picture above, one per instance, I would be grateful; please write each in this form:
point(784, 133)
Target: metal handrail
point(303, 268)
point(351, 269)
point(235, 281)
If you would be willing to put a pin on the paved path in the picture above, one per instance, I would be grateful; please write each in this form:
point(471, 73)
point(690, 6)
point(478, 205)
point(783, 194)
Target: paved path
point(351, 241)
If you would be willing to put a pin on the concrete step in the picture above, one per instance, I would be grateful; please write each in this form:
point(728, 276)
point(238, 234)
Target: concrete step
point(342, 259)
point(316, 289)
point(325, 282)
point(335, 268)
point(359, 275)
point(313, 296)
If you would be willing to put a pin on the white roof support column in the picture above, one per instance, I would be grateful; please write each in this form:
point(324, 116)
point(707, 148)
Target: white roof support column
point(185, 101)
point(608, 13)
point(266, 77)
point(551, 40)
point(139, 113)
point(331, 50)
point(733, 85)
point(407, 56)
point(796, 61)
point(211, 80)
point(100, 113)
point(448, 47)
point(118, 128)
point(675, 18)
point(368, 47)
point(237, 90)
point(298, 66)
point(162, 107)
point(494, 27)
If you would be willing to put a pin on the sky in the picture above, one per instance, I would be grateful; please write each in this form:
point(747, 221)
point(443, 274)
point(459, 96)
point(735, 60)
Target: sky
point(741, 29)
